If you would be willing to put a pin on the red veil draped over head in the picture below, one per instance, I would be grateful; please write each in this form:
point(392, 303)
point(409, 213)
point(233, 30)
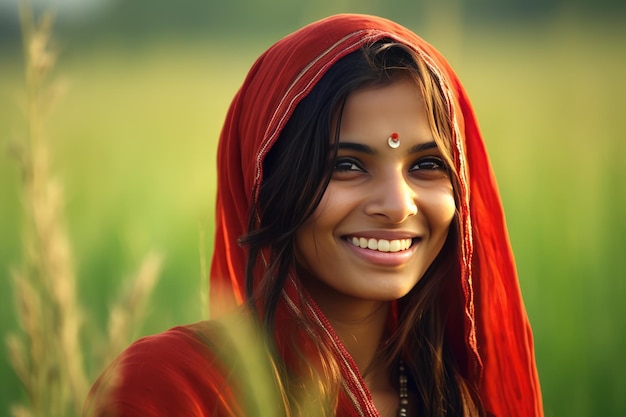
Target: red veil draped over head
point(496, 342)
point(498, 336)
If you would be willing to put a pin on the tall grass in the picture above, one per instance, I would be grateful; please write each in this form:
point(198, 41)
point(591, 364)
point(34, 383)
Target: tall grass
point(550, 101)
point(46, 352)
point(135, 138)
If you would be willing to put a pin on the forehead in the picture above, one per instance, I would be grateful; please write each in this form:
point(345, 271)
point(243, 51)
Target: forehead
point(377, 112)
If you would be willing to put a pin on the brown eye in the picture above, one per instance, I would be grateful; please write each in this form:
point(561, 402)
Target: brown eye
point(429, 163)
point(347, 165)
point(430, 167)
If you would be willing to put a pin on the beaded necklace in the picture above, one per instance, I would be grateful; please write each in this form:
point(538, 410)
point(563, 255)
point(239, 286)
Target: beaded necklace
point(403, 407)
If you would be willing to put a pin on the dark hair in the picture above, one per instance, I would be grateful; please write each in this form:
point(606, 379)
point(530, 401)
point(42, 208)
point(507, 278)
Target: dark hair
point(297, 171)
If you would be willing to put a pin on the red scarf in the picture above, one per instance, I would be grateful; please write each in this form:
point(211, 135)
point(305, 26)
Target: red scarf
point(497, 336)
point(182, 372)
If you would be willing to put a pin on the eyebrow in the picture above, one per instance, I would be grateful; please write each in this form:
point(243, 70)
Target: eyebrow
point(359, 147)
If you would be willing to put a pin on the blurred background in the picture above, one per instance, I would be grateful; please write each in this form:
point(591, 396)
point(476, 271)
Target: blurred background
point(147, 84)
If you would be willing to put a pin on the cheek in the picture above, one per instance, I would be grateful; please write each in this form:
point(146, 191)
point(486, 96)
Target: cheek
point(336, 204)
point(309, 237)
point(440, 208)
point(440, 214)
point(448, 209)
point(317, 234)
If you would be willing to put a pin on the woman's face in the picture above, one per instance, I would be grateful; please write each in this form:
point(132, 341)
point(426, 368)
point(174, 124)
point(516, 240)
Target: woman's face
point(386, 212)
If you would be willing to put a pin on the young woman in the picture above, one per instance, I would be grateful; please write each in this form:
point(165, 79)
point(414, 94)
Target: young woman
point(360, 229)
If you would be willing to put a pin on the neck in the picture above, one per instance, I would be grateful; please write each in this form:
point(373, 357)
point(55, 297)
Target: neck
point(361, 326)
point(361, 331)
point(358, 323)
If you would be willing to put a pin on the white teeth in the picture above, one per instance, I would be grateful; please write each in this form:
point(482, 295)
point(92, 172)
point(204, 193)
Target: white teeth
point(382, 245)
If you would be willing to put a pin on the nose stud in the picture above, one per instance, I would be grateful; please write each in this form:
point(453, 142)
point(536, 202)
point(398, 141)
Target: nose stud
point(393, 140)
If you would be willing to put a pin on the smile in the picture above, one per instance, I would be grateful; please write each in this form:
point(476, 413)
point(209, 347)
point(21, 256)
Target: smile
point(381, 245)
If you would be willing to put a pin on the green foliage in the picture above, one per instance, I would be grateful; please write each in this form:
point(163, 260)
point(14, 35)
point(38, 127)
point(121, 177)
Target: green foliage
point(45, 352)
point(137, 132)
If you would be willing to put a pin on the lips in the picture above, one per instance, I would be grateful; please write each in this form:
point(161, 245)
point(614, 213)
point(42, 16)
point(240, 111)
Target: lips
point(381, 245)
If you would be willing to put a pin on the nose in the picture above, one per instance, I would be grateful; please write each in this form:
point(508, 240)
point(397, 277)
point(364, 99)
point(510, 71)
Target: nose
point(393, 199)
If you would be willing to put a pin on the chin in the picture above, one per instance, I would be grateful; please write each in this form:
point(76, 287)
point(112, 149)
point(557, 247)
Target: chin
point(394, 293)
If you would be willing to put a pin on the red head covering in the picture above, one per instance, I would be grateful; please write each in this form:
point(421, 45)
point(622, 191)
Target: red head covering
point(497, 333)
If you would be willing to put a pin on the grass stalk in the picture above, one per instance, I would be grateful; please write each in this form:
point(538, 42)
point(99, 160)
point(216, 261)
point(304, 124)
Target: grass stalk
point(46, 353)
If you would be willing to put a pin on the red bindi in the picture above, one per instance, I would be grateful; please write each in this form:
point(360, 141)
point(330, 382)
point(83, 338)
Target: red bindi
point(393, 140)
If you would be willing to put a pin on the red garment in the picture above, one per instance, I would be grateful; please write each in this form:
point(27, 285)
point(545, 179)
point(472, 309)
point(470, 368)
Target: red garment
point(175, 373)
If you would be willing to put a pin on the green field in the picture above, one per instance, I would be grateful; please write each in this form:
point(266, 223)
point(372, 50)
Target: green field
point(134, 141)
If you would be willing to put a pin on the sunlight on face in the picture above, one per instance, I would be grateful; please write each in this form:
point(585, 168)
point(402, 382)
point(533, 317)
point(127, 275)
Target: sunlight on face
point(386, 212)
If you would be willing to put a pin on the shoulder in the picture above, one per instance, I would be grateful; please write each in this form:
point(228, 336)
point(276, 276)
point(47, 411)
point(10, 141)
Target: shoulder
point(179, 372)
point(178, 347)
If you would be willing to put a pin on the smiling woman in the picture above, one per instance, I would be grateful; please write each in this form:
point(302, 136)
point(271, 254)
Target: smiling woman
point(359, 226)
point(379, 196)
